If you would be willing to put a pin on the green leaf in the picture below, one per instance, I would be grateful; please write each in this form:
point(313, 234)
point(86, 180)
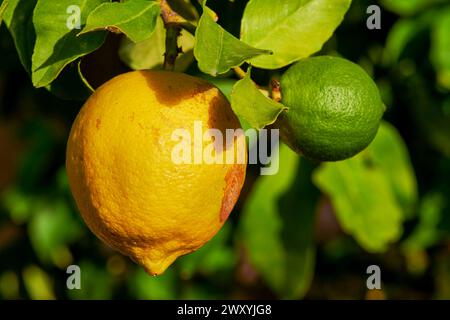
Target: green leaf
point(136, 18)
point(277, 226)
point(38, 283)
point(292, 29)
point(427, 233)
point(18, 20)
point(56, 44)
point(51, 228)
point(252, 105)
point(2, 10)
point(408, 7)
point(372, 192)
point(225, 85)
point(18, 204)
point(149, 54)
point(440, 48)
point(408, 37)
point(217, 50)
point(388, 152)
point(363, 202)
point(400, 35)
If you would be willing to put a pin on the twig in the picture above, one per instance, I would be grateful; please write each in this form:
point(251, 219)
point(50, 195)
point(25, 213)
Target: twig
point(172, 49)
point(170, 16)
point(275, 90)
point(172, 23)
point(239, 72)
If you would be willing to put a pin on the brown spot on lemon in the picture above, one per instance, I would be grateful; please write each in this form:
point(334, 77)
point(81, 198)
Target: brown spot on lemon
point(234, 180)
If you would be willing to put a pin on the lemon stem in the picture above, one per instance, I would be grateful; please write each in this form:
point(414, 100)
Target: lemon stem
point(239, 72)
point(172, 49)
point(275, 90)
point(173, 29)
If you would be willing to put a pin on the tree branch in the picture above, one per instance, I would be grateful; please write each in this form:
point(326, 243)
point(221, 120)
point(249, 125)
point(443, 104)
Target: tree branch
point(275, 90)
point(172, 23)
point(172, 49)
point(239, 72)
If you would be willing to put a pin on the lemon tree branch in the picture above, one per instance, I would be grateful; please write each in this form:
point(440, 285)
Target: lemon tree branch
point(173, 29)
point(239, 72)
point(275, 90)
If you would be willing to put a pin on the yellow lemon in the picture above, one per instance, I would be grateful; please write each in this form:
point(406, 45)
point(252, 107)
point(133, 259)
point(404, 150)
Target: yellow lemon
point(123, 170)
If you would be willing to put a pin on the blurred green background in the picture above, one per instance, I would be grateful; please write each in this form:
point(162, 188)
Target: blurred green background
point(308, 232)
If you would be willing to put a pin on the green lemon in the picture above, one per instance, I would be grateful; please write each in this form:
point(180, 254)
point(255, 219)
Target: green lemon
point(335, 108)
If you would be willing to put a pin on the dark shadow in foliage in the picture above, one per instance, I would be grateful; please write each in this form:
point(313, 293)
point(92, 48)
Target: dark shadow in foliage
point(70, 43)
point(24, 41)
point(297, 208)
point(68, 85)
